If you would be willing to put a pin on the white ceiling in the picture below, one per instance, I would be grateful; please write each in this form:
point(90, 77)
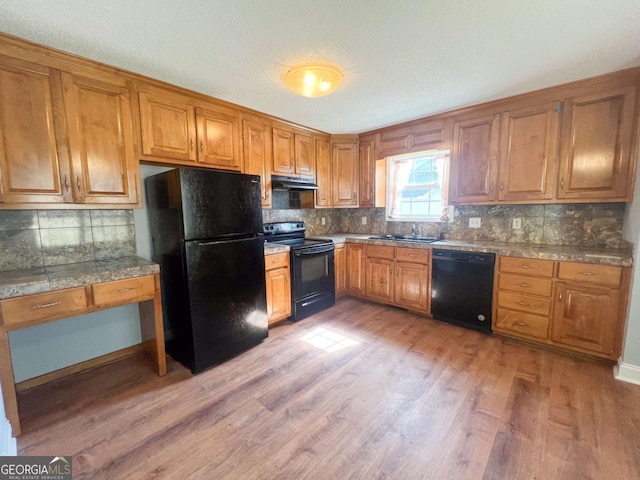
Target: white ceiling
point(402, 59)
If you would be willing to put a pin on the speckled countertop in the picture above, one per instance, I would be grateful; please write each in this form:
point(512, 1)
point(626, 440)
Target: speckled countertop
point(14, 283)
point(273, 248)
point(603, 256)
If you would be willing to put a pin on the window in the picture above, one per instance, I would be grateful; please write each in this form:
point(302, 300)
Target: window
point(417, 186)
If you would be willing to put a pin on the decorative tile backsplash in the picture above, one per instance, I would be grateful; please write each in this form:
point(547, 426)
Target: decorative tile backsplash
point(37, 238)
point(584, 225)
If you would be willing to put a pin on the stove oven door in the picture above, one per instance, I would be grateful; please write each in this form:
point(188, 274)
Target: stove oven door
point(313, 280)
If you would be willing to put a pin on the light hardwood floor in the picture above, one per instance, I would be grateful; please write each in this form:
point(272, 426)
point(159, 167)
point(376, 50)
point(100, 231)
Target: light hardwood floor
point(413, 399)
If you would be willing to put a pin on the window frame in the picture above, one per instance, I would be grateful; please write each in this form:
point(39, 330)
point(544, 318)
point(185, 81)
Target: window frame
point(444, 187)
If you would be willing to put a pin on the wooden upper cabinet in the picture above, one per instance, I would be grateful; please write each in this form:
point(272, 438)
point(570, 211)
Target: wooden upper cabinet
point(101, 145)
point(283, 151)
point(304, 153)
point(427, 135)
point(257, 143)
point(474, 160)
point(344, 168)
point(323, 173)
point(168, 128)
point(367, 170)
point(597, 141)
point(34, 165)
point(528, 151)
point(218, 133)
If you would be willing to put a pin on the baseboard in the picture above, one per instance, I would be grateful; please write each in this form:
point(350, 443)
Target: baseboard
point(627, 373)
point(78, 367)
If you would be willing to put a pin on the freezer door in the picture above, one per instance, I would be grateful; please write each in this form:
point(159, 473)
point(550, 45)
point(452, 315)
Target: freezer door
point(216, 204)
point(227, 298)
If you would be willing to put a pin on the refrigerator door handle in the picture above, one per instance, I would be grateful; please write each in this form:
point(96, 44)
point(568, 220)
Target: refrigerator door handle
point(220, 242)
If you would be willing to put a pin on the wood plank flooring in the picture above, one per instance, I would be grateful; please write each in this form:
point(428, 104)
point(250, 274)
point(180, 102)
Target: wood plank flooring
point(413, 399)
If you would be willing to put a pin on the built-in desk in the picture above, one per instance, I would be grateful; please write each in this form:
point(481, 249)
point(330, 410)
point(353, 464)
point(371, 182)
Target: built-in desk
point(40, 295)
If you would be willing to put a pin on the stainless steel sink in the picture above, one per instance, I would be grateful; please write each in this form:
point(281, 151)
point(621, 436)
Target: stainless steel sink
point(406, 238)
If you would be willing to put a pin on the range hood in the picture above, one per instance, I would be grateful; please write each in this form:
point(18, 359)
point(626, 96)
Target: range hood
point(280, 182)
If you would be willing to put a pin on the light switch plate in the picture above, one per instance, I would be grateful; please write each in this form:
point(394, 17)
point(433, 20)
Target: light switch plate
point(475, 222)
point(516, 223)
point(364, 220)
point(323, 220)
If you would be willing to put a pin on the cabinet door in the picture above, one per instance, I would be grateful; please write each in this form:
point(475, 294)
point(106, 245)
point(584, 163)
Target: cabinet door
point(101, 146)
point(474, 160)
point(355, 269)
point(428, 135)
point(597, 136)
point(340, 259)
point(344, 167)
point(379, 279)
point(218, 138)
point(367, 177)
point(283, 151)
point(257, 140)
point(528, 153)
point(305, 158)
point(278, 294)
point(34, 164)
point(587, 317)
point(168, 128)
point(323, 173)
point(412, 286)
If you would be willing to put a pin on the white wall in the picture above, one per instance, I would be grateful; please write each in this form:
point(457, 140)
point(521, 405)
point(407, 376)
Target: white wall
point(630, 365)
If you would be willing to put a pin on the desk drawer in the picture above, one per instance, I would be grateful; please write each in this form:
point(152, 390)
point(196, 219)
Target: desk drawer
point(276, 260)
point(413, 255)
point(123, 291)
point(44, 306)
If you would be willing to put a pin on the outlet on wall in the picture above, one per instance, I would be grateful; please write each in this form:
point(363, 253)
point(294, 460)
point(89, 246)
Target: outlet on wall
point(475, 222)
point(323, 221)
point(364, 220)
point(516, 223)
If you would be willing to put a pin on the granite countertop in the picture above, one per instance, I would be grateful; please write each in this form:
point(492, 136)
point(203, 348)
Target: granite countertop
point(604, 256)
point(14, 283)
point(273, 248)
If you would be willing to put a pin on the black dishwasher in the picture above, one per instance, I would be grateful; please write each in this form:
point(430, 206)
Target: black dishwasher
point(462, 288)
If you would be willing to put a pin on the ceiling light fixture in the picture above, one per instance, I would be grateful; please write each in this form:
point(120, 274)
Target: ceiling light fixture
point(314, 79)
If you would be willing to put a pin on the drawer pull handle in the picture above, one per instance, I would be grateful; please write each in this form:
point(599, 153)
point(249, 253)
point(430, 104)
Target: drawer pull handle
point(588, 273)
point(122, 290)
point(523, 303)
point(521, 324)
point(412, 254)
point(525, 266)
point(277, 260)
point(524, 284)
point(46, 305)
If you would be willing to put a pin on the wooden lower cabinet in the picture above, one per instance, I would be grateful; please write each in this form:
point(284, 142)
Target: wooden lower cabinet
point(379, 279)
point(412, 286)
point(355, 269)
point(340, 261)
point(573, 306)
point(278, 283)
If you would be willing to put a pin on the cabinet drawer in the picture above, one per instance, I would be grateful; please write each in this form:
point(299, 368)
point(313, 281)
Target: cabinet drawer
point(44, 306)
point(380, 251)
point(527, 303)
point(589, 273)
point(527, 266)
point(123, 291)
point(413, 255)
point(523, 324)
point(276, 260)
point(534, 286)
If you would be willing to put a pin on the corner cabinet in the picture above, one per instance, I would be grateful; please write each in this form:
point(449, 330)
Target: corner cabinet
point(278, 287)
point(66, 138)
point(177, 129)
point(597, 144)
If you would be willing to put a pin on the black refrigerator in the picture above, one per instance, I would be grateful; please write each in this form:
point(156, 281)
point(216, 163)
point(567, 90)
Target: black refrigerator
point(206, 235)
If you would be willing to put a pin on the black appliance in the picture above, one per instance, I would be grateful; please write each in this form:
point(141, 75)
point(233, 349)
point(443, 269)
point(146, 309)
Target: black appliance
point(281, 182)
point(313, 282)
point(462, 288)
point(206, 233)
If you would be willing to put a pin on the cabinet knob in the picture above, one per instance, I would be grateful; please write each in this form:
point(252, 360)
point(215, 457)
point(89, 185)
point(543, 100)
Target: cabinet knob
point(524, 285)
point(560, 296)
point(525, 304)
point(78, 182)
point(201, 147)
point(501, 186)
point(491, 187)
point(191, 144)
point(588, 273)
point(562, 183)
point(526, 267)
point(521, 324)
point(66, 182)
